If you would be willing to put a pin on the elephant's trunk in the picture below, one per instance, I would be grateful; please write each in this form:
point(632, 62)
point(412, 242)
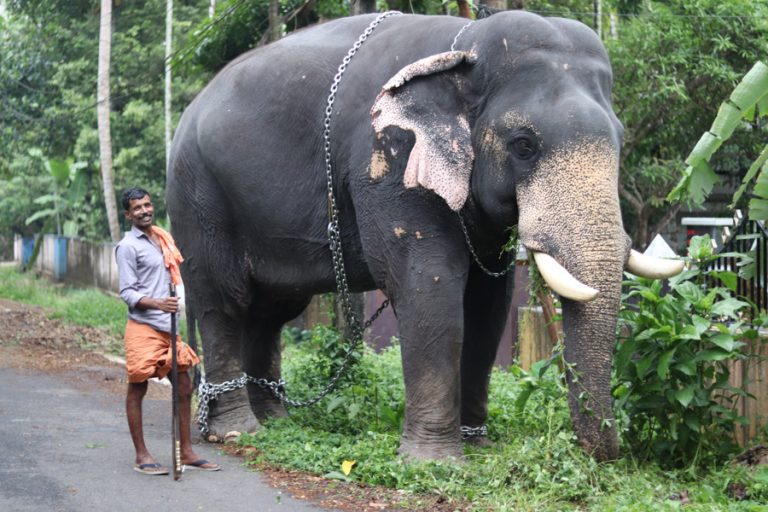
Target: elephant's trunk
point(569, 210)
point(590, 333)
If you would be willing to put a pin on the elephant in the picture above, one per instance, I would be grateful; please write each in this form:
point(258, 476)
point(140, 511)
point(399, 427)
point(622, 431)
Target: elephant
point(435, 122)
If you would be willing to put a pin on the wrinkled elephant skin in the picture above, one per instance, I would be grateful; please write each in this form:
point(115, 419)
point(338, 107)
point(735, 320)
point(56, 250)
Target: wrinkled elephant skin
point(515, 127)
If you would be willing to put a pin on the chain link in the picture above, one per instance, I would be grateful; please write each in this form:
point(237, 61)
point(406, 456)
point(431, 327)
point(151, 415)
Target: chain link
point(477, 258)
point(334, 234)
point(461, 219)
point(471, 432)
point(458, 35)
point(207, 391)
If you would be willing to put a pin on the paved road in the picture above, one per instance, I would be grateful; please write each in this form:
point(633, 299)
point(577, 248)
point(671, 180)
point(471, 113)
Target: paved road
point(67, 450)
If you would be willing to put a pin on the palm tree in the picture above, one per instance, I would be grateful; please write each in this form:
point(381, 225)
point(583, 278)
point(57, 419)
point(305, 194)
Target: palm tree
point(102, 115)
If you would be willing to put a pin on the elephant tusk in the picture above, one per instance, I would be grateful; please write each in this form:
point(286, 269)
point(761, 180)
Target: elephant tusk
point(561, 281)
point(653, 268)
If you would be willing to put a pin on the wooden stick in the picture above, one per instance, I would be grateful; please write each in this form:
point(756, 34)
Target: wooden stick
point(176, 420)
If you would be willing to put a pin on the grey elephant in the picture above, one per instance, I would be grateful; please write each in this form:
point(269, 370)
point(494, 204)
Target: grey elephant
point(506, 121)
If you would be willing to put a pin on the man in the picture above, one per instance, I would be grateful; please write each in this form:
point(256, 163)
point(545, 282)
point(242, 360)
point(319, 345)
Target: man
point(147, 261)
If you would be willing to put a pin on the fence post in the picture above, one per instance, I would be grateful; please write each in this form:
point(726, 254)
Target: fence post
point(59, 257)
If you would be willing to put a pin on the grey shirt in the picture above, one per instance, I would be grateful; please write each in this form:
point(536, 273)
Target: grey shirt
point(142, 273)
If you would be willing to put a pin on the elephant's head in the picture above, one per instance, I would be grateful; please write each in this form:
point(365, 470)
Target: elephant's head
point(518, 126)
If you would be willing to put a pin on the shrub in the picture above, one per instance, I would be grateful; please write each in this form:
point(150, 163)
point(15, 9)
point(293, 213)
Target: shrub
point(672, 366)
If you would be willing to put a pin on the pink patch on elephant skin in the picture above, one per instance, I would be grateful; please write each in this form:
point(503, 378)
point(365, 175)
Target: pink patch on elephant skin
point(441, 158)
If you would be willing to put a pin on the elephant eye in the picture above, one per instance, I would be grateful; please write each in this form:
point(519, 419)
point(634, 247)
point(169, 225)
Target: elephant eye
point(524, 147)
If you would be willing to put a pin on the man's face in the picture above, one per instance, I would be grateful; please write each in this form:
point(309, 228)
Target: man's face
point(140, 212)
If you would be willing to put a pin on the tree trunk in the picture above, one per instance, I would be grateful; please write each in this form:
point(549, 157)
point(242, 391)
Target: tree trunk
point(212, 9)
point(464, 10)
point(364, 6)
point(168, 53)
point(274, 20)
point(102, 115)
point(598, 6)
point(614, 26)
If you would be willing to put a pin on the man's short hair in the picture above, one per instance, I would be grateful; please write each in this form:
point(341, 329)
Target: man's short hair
point(131, 194)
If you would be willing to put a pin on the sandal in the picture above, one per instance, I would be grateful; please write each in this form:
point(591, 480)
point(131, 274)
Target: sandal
point(150, 468)
point(203, 465)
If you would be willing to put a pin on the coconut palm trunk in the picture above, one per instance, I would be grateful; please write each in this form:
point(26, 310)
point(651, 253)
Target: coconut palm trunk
point(102, 114)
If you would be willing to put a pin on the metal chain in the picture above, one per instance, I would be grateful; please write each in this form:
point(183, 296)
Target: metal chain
point(475, 256)
point(458, 35)
point(208, 391)
point(470, 432)
point(334, 234)
point(461, 219)
point(481, 431)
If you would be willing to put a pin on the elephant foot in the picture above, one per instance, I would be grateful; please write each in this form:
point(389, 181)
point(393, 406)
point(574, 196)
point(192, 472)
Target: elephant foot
point(231, 413)
point(478, 442)
point(416, 451)
point(225, 426)
point(264, 405)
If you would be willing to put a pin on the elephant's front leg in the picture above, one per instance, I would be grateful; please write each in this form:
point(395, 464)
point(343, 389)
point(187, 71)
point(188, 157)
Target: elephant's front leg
point(429, 309)
point(231, 411)
point(486, 304)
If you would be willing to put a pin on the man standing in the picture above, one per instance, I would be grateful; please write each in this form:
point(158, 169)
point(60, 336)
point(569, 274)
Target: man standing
point(147, 261)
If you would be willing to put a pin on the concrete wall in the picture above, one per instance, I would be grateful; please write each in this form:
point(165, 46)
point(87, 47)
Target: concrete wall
point(91, 264)
point(73, 261)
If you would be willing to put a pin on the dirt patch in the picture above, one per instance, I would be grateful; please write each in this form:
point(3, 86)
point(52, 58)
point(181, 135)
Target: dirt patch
point(31, 342)
point(345, 496)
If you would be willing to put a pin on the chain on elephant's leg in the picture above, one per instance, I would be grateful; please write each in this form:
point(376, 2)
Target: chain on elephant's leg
point(230, 415)
point(231, 411)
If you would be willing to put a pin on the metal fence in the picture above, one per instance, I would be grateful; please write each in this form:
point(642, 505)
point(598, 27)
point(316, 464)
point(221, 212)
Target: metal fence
point(749, 237)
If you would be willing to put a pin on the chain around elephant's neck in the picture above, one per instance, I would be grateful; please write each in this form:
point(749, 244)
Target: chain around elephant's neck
point(461, 219)
point(334, 234)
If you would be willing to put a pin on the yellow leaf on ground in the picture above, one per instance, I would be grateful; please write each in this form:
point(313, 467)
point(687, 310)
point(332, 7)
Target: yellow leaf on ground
point(346, 466)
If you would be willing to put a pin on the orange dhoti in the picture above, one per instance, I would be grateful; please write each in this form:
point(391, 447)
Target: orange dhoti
point(148, 353)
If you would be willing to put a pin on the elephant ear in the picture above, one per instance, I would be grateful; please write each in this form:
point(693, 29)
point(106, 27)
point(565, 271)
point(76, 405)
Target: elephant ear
point(433, 110)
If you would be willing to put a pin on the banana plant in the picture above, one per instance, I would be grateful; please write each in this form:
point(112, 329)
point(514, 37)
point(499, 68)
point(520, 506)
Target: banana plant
point(748, 101)
point(69, 184)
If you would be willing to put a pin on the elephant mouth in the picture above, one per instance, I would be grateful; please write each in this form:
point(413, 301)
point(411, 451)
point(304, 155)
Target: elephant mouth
point(562, 282)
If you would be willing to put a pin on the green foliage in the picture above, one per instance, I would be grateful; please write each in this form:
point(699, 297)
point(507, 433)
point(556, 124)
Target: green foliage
point(747, 104)
point(365, 393)
point(673, 365)
point(669, 63)
point(47, 98)
point(534, 464)
point(68, 186)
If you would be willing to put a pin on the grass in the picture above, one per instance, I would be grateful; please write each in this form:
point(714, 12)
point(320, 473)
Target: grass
point(534, 464)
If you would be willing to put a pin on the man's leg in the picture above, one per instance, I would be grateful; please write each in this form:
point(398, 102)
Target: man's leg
point(136, 392)
point(188, 455)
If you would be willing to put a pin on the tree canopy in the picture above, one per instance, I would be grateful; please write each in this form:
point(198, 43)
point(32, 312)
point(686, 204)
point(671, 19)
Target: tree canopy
point(674, 61)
